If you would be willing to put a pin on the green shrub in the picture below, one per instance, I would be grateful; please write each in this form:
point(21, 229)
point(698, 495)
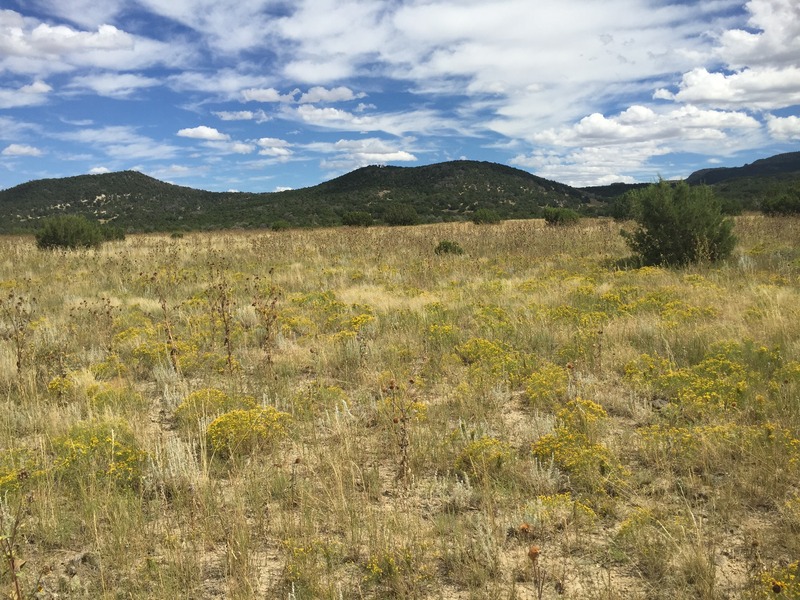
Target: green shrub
point(357, 218)
point(280, 225)
point(621, 207)
point(485, 216)
point(69, 231)
point(679, 225)
point(112, 233)
point(785, 204)
point(560, 216)
point(448, 247)
point(400, 214)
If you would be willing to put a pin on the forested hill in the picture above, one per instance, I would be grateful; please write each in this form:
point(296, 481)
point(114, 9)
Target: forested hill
point(780, 165)
point(740, 188)
point(136, 202)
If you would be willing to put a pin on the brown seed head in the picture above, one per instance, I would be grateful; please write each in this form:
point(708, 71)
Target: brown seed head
point(533, 553)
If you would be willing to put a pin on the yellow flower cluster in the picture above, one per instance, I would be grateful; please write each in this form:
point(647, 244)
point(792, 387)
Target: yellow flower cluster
point(400, 569)
point(484, 457)
point(208, 403)
point(557, 511)
point(546, 387)
point(591, 466)
point(487, 359)
point(242, 432)
point(16, 465)
point(783, 582)
point(104, 449)
point(583, 416)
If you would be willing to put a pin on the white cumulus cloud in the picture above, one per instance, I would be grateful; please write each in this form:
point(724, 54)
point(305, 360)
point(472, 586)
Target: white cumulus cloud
point(784, 128)
point(33, 94)
point(21, 150)
point(348, 154)
point(202, 132)
point(321, 94)
point(29, 46)
point(259, 116)
point(760, 88)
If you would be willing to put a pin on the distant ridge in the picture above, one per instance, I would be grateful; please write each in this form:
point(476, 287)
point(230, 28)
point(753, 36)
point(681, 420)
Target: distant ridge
point(439, 192)
point(778, 165)
point(448, 191)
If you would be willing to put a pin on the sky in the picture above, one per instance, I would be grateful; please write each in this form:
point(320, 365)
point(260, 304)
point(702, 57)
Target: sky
point(266, 95)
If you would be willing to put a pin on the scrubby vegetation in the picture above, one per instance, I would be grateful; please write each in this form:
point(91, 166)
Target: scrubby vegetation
point(679, 225)
point(400, 214)
point(485, 216)
point(560, 216)
point(357, 218)
point(786, 203)
point(448, 247)
point(342, 414)
point(73, 231)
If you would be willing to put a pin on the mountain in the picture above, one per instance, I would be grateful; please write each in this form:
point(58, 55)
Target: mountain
point(446, 191)
point(752, 186)
point(438, 192)
point(739, 188)
point(780, 165)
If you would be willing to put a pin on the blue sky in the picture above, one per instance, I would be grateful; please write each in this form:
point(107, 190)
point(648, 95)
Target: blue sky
point(263, 95)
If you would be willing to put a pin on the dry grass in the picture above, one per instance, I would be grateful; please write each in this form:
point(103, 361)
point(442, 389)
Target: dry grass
point(438, 416)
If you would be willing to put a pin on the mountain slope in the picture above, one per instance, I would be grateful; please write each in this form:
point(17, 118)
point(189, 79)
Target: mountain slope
point(748, 186)
point(136, 202)
point(775, 166)
point(739, 188)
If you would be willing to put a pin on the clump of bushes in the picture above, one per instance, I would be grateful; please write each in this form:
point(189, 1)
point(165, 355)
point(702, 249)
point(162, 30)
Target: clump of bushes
point(679, 225)
point(280, 225)
point(448, 247)
point(75, 231)
point(357, 218)
point(560, 216)
point(400, 214)
point(785, 204)
point(485, 216)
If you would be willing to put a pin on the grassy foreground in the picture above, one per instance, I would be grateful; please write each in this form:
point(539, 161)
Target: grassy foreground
point(346, 414)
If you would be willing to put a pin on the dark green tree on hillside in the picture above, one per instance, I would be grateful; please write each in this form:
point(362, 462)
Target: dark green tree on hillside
point(787, 203)
point(73, 231)
point(558, 216)
point(679, 225)
point(357, 218)
point(485, 216)
point(401, 214)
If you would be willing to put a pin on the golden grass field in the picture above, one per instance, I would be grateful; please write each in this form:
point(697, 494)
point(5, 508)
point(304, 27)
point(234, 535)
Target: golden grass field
point(343, 413)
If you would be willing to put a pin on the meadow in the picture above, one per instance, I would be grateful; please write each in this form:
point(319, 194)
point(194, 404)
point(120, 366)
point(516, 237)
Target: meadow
point(344, 413)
